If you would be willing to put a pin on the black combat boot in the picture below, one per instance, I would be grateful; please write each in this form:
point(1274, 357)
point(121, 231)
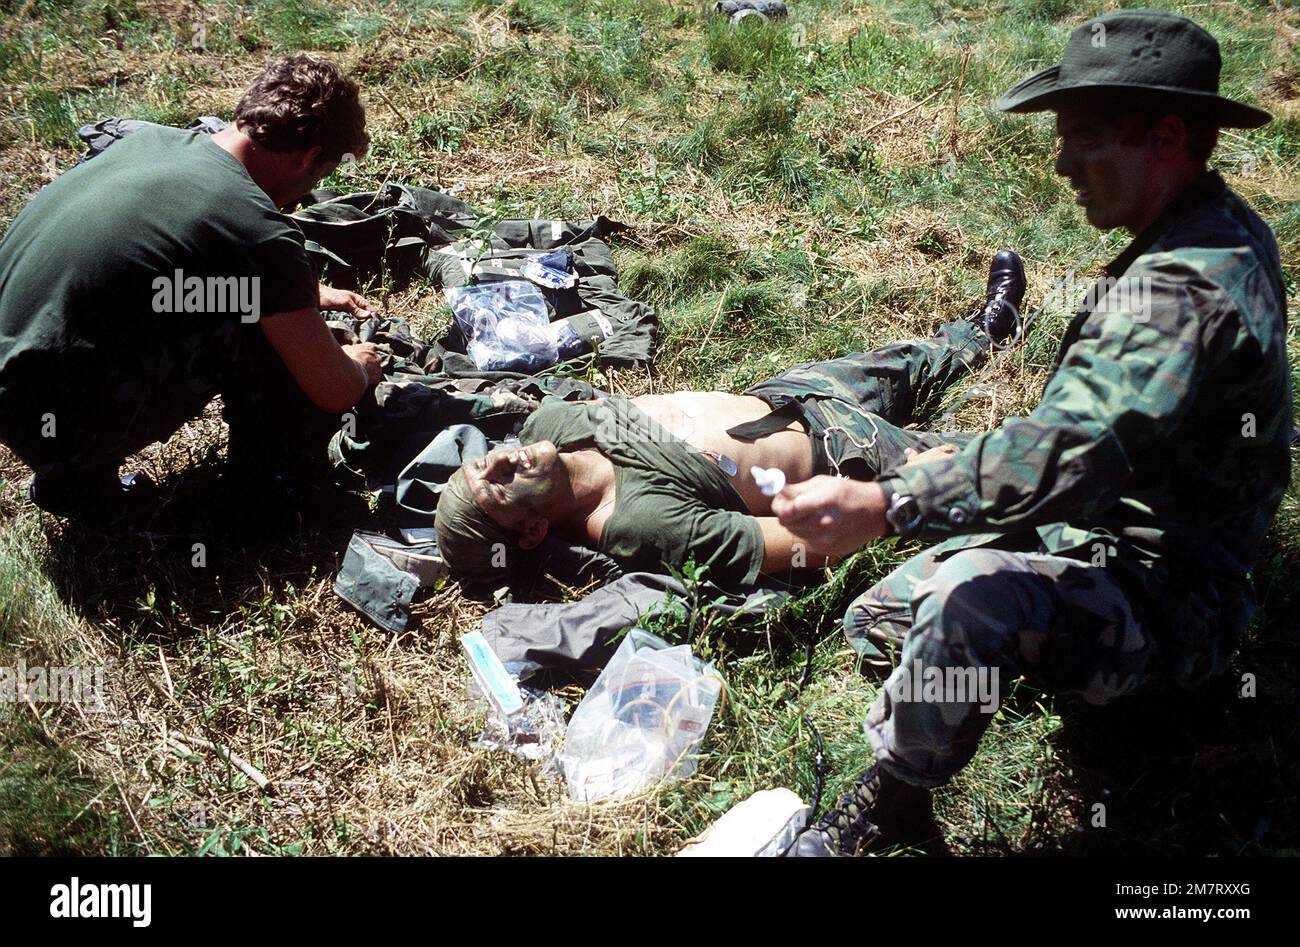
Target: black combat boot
point(1000, 314)
point(880, 810)
point(94, 496)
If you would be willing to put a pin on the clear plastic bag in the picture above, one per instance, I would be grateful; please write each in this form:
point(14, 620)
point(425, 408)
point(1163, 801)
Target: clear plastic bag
point(520, 720)
point(506, 325)
point(532, 734)
point(548, 276)
point(642, 721)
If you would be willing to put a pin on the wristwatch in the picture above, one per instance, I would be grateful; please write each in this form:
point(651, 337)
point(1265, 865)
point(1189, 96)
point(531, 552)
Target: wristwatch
point(904, 515)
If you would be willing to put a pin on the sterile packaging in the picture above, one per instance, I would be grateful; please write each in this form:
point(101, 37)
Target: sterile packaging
point(642, 721)
point(506, 324)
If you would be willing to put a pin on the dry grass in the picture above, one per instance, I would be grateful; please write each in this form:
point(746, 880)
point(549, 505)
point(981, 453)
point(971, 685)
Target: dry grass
point(368, 738)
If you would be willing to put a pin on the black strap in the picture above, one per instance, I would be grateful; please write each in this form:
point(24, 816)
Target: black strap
point(778, 419)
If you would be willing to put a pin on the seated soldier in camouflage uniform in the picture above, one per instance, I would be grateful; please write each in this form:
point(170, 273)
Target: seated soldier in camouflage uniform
point(1099, 546)
point(137, 286)
point(660, 479)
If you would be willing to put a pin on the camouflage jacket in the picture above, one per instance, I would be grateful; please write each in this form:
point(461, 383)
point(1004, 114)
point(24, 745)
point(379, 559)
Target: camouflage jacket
point(1160, 447)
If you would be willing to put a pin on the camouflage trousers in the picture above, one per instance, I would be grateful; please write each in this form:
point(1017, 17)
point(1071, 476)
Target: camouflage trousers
point(963, 625)
point(855, 407)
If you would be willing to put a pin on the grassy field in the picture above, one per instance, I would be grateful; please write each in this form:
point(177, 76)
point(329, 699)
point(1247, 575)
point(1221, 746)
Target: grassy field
point(800, 190)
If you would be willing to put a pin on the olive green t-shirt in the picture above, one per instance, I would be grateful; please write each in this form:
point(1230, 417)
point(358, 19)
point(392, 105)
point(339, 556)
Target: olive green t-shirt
point(91, 267)
point(671, 502)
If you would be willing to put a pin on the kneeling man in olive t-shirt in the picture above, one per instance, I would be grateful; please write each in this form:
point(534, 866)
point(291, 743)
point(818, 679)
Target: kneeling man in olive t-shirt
point(138, 285)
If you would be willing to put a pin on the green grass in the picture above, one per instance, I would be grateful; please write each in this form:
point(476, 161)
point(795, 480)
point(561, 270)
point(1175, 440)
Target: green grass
point(49, 804)
point(802, 189)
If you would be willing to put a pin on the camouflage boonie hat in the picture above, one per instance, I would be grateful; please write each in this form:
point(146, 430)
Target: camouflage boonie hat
point(1149, 54)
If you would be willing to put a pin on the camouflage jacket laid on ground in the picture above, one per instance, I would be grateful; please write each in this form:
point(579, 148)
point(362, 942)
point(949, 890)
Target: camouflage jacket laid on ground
point(408, 409)
point(403, 231)
point(1160, 446)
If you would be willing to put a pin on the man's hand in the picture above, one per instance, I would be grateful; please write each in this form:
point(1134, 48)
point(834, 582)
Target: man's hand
point(353, 303)
point(371, 360)
point(333, 378)
point(917, 458)
point(835, 516)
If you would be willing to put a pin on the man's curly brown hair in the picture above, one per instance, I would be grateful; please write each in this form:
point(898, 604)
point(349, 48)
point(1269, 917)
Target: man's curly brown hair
point(298, 101)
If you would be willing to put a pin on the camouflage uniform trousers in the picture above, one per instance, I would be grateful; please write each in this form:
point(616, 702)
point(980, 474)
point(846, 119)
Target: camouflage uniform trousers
point(855, 407)
point(1063, 624)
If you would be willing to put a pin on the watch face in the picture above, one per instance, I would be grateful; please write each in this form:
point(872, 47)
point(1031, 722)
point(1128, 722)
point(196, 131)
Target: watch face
point(904, 514)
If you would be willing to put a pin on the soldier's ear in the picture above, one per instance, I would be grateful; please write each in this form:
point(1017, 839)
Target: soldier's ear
point(1168, 135)
point(307, 158)
point(534, 531)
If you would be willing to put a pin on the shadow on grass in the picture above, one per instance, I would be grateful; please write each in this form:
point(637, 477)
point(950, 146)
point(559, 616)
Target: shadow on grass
point(208, 555)
point(1207, 772)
